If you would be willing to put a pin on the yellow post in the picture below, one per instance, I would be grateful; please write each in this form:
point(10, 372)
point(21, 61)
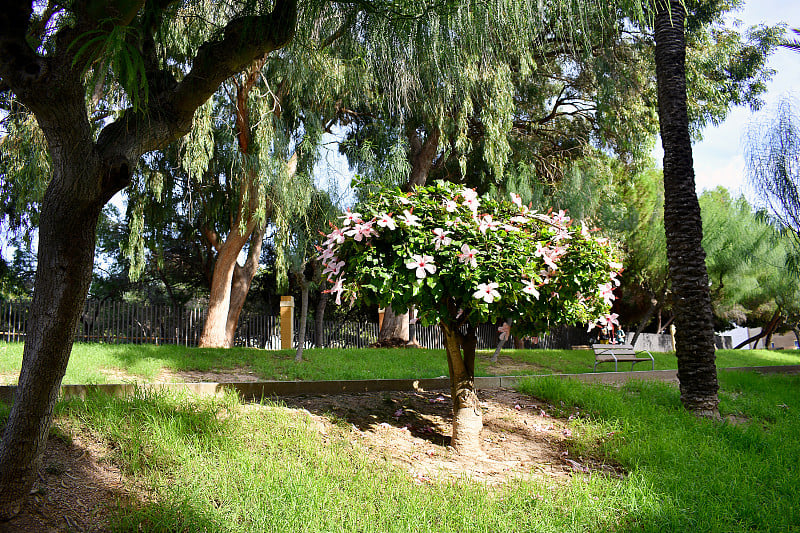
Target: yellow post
point(381, 311)
point(287, 322)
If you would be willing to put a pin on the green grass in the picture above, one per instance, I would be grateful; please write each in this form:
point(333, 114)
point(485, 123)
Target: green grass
point(742, 474)
point(97, 363)
point(212, 464)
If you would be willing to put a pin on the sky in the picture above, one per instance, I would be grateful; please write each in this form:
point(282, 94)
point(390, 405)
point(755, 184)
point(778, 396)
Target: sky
point(719, 157)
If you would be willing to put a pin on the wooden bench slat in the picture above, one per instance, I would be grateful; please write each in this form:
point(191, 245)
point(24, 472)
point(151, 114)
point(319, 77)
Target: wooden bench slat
point(619, 353)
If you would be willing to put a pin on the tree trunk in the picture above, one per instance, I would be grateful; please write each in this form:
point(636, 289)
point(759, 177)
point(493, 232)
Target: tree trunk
point(70, 211)
point(240, 286)
point(301, 335)
point(319, 320)
point(215, 333)
point(467, 415)
point(500, 344)
point(394, 328)
point(771, 325)
point(655, 306)
point(694, 339)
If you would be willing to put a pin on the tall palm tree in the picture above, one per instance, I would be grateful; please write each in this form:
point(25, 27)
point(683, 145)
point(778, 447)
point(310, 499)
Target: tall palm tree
point(694, 336)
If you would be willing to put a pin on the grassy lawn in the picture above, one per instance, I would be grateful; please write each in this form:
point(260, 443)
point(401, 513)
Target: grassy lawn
point(97, 363)
point(216, 465)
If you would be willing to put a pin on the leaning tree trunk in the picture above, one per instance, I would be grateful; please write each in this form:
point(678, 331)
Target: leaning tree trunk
point(467, 415)
point(70, 211)
point(694, 338)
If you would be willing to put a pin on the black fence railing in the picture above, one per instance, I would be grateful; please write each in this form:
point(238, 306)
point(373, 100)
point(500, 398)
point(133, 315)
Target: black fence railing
point(130, 323)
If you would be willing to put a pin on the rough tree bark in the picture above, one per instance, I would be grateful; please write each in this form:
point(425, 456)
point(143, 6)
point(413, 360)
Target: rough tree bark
point(301, 334)
point(319, 320)
point(467, 414)
point(86, 173)
point(694, 338)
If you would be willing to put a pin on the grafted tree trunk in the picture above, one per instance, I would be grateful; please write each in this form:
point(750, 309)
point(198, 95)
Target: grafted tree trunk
point(694, 338)
point(467, 414)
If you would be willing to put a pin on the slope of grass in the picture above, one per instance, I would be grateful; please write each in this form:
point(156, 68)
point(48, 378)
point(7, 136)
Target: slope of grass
point(211, 464)
point(741, 474)
point(97, 363)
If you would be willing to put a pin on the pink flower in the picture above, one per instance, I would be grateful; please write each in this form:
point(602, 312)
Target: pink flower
point(333, 268)
point(467, 255)
point(548, 255)
point(350, 217)
point(386, 221)
point(530, 288)
point(441, 238)
point(607, 292)
point(487, 292)
point(517, 199)
point(335, 237)
point(505, 331)
point(338, 289)
point(423, 263)
point(450, 206)
point(362, 230)
point(409, 218)
point(327, 253)
point(560, 218)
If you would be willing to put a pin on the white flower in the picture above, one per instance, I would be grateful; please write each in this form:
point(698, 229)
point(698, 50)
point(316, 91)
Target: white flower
point(403, 200)
point(487, 292)
point(530, 288)
point(470, 199)
point(409, 218)
point(519, 219)
point(467, 255)
point(487, 223)
point(450, 205)
point(350, 217)
point(441, 238)
point(517, 199)
point(423, 263)
point(386, 221)
point(615, 266)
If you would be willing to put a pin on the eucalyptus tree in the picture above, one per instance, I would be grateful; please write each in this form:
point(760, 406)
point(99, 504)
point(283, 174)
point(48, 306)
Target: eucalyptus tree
point(44, 59)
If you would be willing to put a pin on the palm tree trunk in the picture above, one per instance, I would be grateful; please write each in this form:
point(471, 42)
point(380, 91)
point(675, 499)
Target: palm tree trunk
point(694, 338)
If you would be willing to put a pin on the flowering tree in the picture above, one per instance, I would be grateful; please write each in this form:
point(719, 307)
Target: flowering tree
point(464, 260)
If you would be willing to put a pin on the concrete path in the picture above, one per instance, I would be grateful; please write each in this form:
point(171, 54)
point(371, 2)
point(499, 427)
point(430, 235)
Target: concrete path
point(268, 389)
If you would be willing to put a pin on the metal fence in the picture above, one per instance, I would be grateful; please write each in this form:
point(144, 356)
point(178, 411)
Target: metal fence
point(131, 323)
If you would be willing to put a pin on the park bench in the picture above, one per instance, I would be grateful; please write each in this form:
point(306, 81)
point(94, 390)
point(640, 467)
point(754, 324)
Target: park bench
point(619, 353)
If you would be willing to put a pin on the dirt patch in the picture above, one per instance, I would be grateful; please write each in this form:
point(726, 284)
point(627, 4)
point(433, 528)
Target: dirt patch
point(507, 366)
point(235, 375)
point(520, 437)
point(75, 489)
